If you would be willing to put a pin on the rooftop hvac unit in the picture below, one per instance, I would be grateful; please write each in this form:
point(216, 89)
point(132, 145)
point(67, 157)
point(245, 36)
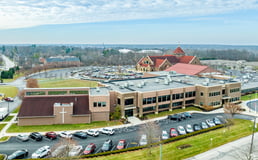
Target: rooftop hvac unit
point(221, 82)
point(97, 89)
point(166, 82)
point(156, 80)
point(126, 84)
point(139, 85)
point(121, 87)
point(205, 83)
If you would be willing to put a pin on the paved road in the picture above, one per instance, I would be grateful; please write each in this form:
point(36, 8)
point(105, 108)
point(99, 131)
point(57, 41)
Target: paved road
point(7, 63)
point(132, 135)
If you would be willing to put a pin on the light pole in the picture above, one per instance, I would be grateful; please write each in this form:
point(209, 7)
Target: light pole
point(160, 149)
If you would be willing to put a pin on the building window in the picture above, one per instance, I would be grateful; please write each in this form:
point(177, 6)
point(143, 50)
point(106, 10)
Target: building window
point(118, 101)
point(201, 103)
point(78, 92)
point(234, 90)
point(95, 104)
point(177, 104)
point(99, 104)
point(163, 106)
point(129, 101)
point(189, 102)
point(178, 96)
point(212, 94)
point(36, 93)
point(146, 109)
point(201, 94)
point(149, 100)
point(223, 91)
point(190, 94)
point(104, 104)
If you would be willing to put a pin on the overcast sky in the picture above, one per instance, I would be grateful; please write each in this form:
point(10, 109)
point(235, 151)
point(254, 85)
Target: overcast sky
point(129, 21)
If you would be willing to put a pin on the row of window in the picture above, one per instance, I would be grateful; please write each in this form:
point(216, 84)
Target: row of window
point(234, 99)
point(234, 90)
point(99, 104)
point(31, 93)
point(165, 98)
point(163, 106)
point(127, 101)
point(212, 94)
point(214, 103)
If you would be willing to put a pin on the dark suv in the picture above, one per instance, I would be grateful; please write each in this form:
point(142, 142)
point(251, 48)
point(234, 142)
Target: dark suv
point(36, 136)
point(107, 145)
point(177, 117)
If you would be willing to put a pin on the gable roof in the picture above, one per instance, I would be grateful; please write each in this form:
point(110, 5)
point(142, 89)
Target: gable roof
point(159, 62)
point(44, 106)
point(171, 58)
point(188, 69)
point(186, 59)
point(178, 50)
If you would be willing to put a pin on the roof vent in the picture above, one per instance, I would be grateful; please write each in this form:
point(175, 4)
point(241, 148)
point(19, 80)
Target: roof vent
point(166, 82)
point(139, 85)
point(205, 83)
point(156, 80)
point(121, 87)
point(97, 89)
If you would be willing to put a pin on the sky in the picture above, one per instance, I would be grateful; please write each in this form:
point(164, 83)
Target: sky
point(229, 22)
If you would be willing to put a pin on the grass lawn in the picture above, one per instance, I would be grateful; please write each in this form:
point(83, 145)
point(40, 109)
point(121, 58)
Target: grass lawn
point(249, 97)
point(2, 126)
point(60, 127)
point(58, 83)
point(199, 144)
point(4, 138)
point(165, 113)
point(7, 119)
point(9, 91)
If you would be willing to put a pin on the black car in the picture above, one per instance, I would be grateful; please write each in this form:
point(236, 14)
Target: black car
point(187, 114)
point(196, 127)
point(80, 134)
point(19, 154)
point(107, 145)
point(176, 117)
point(36, 136)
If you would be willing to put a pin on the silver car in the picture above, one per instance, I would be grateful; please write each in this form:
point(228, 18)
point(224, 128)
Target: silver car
point(75, 150)
point(181, 130)
point(41, 152)
point(189, 128)
point(23, 137)
point(210, 123)
point(143, 140)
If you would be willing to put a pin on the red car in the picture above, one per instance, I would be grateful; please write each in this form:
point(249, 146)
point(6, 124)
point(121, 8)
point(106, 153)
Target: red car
point(8, 99)
point(51, 135)
point(173, 132)
point(121, 144)
point(89, 149)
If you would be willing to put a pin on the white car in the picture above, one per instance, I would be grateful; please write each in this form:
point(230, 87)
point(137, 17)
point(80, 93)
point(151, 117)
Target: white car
point(188, 128)
point(143, 140)
point(65, 134)
point(210, 123)
point(164, 135)
point(92, 132)
point(75, 150)
point(181, 130)
point(108, 131)
point(41, 152)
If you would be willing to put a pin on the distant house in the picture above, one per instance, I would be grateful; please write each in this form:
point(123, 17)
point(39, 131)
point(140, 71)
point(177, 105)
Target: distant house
point(62, 61)
point(160, 63)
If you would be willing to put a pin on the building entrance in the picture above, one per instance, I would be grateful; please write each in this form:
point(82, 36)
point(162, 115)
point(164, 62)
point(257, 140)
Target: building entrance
point(129, 112)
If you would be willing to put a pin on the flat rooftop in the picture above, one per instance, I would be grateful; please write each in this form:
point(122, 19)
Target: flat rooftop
point(163, 82)
point(99, 91)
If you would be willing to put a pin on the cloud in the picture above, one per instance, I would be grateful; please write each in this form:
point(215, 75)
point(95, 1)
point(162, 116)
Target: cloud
point(28, 13)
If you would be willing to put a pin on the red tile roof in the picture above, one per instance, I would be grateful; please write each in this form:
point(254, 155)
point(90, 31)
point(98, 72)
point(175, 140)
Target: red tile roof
point(44, 106)
point(159, 62)
point(185, 59)
point(188, 69)
point(178, 50)
point(171, 58)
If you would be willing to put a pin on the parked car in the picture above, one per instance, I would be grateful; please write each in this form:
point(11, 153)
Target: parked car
point(59, 150)
point(173, 132)
point(143, 140)
point(51, 135)
point(188, 128)
point(65, 134)
point(108, 131)
point(80, 134)
point(176, 117)
point(216, 120)
point(36, 136)
point(89, 149)
point(41, 152)
point(210, 123)
point(196, 127)
point(204, 125)
point(8, 99)
point(75, 150)
point(181, 130)
point(121, 144)
point(164, 135)
point(182, 115)
point(19, 154)
point(22, 137)
point(107, 145)
point(188, 114)
point(92, 132)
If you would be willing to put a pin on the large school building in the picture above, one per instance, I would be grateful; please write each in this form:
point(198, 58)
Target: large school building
point(136, 97)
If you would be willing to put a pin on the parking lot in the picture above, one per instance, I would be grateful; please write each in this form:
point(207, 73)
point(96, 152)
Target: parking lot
point(130, 134)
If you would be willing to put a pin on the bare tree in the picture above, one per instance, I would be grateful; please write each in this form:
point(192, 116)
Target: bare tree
point(61, 149)
point(230, 109)
point(21, 94)
point(32, 83)
point(153, 133)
